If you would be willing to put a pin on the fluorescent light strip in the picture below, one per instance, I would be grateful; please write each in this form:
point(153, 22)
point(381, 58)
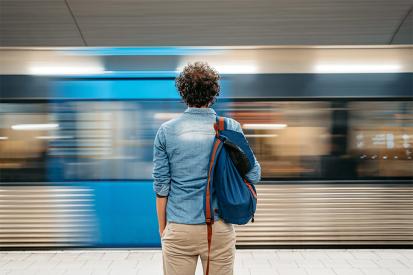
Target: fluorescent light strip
point(24, 127)
point(357, 68)
point(3, 138)
point(263, 126)
point(66, 70)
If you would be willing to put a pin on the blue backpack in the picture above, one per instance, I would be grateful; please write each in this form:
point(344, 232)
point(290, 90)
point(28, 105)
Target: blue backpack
point(231, 158)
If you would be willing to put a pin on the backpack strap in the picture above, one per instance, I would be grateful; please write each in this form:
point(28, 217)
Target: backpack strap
point(209, 229)
point(218, 126)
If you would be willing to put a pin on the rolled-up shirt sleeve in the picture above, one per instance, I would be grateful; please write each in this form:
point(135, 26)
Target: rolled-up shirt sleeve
point(254, 175)
point(161, 171)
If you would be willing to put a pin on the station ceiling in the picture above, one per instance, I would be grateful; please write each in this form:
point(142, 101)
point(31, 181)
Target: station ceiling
point(204, 23)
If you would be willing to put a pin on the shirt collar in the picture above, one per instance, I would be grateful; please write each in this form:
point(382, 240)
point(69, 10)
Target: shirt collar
point(194, 110)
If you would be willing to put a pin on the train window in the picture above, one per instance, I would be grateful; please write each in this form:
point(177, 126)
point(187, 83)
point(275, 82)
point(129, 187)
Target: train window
point(24, 130)
point(288, 138)
point(110, 140)
point(381, 137)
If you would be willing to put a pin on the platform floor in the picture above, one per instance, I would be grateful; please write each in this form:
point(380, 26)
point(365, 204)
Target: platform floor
point(250, 262)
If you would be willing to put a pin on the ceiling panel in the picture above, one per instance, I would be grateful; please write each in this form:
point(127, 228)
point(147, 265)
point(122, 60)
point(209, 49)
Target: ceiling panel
point(197, 22)
point(235, 22)
point(404, 34)
point(37, 23)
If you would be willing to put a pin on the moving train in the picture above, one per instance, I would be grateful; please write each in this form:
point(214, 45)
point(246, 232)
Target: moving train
point(332, 128)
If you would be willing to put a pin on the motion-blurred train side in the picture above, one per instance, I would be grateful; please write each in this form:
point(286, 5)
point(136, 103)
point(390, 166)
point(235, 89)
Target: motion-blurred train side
point(331, 126)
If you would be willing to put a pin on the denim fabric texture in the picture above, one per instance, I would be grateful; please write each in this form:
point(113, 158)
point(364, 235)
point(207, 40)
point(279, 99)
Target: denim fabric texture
point(181, 155)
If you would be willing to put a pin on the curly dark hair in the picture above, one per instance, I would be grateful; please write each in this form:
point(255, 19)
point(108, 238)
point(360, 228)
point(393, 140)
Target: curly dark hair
point(198, 84)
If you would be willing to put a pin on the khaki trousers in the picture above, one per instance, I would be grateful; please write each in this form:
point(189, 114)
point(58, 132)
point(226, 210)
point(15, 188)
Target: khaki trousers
point(183, 243)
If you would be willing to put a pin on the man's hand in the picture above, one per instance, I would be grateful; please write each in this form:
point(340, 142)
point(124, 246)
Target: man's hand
point(161, 232)
point(161, 212)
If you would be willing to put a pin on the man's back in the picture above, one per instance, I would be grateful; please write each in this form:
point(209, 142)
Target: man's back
point(181, 156)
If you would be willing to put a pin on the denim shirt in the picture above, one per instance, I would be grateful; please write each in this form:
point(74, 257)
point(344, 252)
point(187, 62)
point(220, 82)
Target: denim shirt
point(182, 148)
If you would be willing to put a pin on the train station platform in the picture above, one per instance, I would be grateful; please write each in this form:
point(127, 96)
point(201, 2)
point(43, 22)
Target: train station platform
point(248, 262)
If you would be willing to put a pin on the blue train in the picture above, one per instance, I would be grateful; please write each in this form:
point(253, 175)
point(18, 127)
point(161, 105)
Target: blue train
point(77, 128)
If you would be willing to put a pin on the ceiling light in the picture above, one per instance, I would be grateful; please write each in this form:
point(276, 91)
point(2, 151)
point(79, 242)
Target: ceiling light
point(65, 70)
point(357, 68)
